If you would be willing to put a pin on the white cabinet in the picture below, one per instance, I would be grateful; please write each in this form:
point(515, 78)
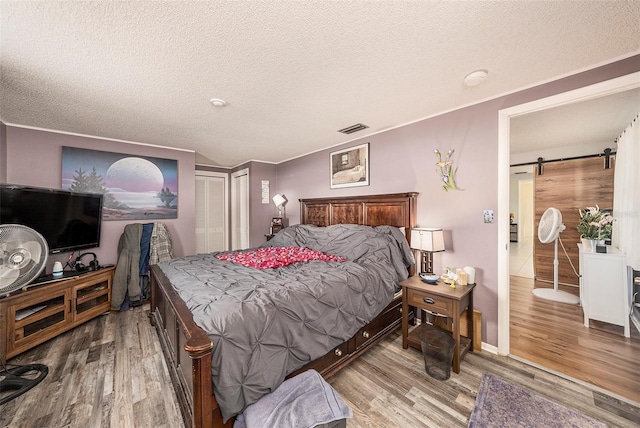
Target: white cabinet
point(604, 289)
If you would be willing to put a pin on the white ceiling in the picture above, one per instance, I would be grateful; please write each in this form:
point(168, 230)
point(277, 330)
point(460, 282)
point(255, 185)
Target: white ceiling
point(594, 121)
point(293, 73)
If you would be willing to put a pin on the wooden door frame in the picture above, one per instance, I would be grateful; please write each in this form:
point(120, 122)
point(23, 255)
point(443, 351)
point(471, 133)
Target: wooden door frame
point(619, 84)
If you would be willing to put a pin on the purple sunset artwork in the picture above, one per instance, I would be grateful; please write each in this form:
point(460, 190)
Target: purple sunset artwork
point(134, 187)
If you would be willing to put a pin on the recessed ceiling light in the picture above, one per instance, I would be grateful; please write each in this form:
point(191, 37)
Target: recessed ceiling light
point(475, 77)
point(218, 102)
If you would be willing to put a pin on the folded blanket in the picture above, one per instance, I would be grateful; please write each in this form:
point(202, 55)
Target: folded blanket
point(303, 401)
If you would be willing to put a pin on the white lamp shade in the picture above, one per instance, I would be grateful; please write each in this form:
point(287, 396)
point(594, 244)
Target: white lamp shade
point(279, 200)
point(427, 239)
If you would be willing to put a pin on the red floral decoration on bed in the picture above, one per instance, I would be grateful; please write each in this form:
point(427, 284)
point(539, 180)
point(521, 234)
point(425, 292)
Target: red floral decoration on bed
point(275, 257)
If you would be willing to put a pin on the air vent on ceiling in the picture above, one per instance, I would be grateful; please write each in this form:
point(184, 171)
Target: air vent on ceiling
point(353, 128)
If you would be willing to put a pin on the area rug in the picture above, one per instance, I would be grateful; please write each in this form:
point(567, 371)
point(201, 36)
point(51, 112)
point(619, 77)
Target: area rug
point(501, 404)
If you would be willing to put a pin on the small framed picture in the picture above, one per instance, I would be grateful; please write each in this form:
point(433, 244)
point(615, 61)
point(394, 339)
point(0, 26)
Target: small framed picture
point(350, 167)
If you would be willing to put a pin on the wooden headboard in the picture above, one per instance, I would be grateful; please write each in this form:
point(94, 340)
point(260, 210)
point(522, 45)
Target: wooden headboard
point(396, 209)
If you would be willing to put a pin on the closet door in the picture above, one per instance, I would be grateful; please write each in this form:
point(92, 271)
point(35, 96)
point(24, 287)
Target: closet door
point(240, 209)
point(211, 212)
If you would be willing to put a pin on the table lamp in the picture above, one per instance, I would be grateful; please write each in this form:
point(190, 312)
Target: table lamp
point(427, 241)
point(280, 202)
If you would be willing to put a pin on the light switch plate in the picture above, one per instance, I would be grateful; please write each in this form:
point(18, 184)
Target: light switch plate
point(488, 216)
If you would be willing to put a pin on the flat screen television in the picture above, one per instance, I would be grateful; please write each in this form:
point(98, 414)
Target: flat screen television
point(68, 221)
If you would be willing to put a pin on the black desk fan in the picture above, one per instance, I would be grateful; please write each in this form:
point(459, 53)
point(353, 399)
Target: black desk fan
point(23, 255)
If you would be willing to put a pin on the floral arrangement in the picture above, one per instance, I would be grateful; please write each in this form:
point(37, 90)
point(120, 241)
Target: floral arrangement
point(594, 224)
point(446, 170)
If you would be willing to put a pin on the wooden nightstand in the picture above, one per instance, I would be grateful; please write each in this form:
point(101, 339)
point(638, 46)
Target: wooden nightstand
point(442, 300)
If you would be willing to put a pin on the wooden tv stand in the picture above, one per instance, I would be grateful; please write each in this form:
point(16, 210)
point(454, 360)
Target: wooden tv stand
point(32, 316)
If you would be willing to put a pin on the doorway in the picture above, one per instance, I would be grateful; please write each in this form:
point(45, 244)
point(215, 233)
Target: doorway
point(608, 87)
point(505, 293)
point(521, 229)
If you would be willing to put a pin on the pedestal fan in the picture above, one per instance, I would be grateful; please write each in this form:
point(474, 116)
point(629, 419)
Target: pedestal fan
point(549, 230)
point(23, 255)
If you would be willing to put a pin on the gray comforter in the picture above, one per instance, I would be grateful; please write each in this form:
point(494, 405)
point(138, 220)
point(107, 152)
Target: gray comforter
point(265, 324)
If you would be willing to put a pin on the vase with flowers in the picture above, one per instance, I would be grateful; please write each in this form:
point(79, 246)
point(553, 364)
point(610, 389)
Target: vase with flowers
point(594, 226)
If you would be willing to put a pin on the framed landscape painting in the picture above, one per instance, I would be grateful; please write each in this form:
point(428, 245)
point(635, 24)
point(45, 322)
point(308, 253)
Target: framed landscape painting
point(350, 167)
point(134, 187)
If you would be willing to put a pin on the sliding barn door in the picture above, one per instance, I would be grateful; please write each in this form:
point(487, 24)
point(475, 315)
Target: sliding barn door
point(568, 186)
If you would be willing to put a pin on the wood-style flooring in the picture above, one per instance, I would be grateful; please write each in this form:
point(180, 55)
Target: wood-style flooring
point(109, 372)
point(553, 335)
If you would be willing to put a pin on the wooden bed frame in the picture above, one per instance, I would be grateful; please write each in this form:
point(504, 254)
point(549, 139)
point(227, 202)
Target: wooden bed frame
point(187, 348)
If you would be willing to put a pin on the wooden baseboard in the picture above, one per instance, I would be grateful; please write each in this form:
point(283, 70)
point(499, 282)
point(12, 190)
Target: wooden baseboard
point(445, 324)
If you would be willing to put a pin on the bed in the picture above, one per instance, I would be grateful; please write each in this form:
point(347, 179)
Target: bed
point(188, 350)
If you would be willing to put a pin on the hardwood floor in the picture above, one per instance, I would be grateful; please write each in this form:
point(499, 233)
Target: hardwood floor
point(552, 335)
point(109, 372)
point(388, 387)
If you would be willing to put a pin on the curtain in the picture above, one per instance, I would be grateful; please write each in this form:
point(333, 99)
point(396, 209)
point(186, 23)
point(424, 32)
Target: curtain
point(626, 195)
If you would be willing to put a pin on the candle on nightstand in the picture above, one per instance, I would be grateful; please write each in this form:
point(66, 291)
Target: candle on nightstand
point(462, 277)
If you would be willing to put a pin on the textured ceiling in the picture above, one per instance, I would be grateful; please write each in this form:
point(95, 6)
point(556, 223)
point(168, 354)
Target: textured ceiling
point(293, 73)
point(594, 121)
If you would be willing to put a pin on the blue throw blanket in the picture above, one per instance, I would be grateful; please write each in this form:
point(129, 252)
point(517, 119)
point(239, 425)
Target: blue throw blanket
point(303, 401)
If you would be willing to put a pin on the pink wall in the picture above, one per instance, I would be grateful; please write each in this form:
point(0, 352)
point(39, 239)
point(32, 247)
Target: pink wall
point(402, 160)
point(35, 158)
point(260, 214)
